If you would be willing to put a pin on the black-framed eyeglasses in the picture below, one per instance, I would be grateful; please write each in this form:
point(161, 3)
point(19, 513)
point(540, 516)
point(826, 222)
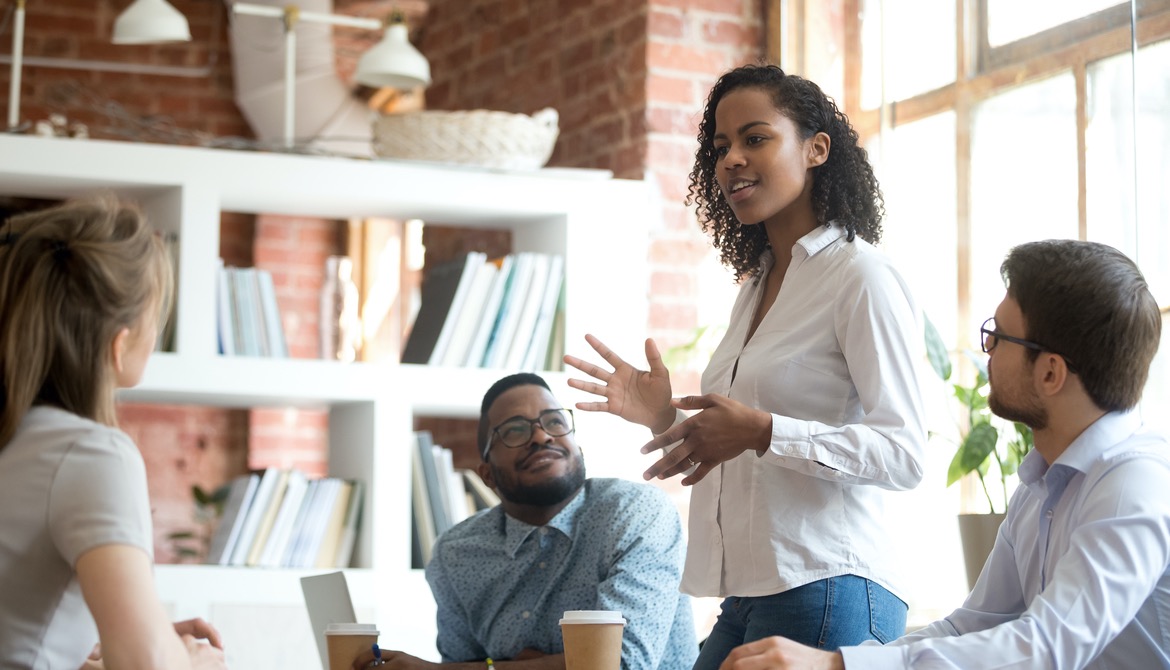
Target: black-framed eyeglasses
point(991, 338)
point(517, 431)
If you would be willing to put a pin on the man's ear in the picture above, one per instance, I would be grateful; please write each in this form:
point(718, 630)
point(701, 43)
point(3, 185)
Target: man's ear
point(818, 149)
point(1050, 373)
point(485, 473)
point(118, 348)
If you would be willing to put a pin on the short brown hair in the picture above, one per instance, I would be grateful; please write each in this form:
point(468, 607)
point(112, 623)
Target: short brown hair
point(1090, 303)
point(71, 277)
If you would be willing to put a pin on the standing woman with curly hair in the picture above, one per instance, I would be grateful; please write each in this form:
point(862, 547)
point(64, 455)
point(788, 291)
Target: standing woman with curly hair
point(810, 404)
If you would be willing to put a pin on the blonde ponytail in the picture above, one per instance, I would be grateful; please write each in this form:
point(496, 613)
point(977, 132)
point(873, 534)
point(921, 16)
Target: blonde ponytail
point(71, 277)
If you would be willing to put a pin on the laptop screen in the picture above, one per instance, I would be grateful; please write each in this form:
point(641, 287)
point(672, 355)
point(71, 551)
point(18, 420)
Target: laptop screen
point(327, 600)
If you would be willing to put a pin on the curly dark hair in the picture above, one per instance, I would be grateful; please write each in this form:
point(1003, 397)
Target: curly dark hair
point(844, 187)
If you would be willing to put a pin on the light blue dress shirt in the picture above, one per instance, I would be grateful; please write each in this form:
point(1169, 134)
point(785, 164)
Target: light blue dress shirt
point(1079, 575)
point(502, 585)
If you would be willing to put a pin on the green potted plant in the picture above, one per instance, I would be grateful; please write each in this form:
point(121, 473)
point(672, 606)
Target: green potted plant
point(984, 441)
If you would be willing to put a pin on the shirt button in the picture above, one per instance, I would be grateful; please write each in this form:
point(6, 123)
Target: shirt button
point(1048, 514)
point(541, 564)
point(788, 449)
point(544, 531)
point(526, 614)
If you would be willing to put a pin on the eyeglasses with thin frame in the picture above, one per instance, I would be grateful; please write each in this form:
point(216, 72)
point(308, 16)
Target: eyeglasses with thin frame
point(517, 431)
point(991, 338)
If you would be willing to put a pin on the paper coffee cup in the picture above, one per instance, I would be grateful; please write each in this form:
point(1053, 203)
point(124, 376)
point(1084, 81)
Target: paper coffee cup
point(593, 639)
point(346, 641)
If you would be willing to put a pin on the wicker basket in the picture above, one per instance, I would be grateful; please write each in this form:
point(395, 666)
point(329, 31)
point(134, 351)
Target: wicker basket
point(479, 137)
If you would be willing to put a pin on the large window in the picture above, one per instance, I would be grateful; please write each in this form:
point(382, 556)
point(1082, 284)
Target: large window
point(994, 122)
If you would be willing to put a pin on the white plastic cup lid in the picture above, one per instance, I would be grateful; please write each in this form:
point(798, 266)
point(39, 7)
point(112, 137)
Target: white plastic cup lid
point(352, 629)
point(593, 616)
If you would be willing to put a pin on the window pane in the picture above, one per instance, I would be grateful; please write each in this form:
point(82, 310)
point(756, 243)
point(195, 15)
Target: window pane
point(917, 173)
point(910, 66)
point(916, 167)
point(824, 49)
point(1010, 20)
point(1023, 178)
point(1137, 223)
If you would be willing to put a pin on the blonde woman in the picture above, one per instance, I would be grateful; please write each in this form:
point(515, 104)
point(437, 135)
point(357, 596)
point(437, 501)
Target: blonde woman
point(82, 288)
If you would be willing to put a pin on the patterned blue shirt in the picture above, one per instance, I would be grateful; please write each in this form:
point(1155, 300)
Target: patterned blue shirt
point(502, 585)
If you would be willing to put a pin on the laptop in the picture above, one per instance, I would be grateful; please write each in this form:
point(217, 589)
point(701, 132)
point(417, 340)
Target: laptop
point(327, 600)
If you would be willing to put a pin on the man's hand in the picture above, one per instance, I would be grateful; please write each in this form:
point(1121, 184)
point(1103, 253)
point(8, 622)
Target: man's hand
point(778, 653)
point(393, 660)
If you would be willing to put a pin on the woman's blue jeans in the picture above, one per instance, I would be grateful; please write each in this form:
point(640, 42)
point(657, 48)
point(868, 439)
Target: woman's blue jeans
point(831, 613)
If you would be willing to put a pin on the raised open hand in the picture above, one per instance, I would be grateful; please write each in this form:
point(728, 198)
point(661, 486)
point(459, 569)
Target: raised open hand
point(638, 396)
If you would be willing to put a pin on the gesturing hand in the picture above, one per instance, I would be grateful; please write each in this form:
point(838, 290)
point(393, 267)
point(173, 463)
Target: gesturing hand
point(638, 396)
point(200, 630)
point(723, 429)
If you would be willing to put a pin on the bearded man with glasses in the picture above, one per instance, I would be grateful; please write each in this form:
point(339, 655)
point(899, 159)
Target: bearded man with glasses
point(556, 542)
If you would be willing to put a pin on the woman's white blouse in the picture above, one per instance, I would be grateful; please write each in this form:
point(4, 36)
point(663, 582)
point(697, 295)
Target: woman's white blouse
point(835, 362)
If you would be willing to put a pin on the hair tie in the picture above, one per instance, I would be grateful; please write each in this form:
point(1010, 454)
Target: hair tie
point(60, 250)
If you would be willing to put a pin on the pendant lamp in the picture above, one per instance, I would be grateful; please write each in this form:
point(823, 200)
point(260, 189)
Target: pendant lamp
point(150, 22)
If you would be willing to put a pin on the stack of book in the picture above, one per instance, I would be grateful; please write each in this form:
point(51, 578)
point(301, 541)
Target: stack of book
point(503, 313)
point(281, 519)
point(247, 314)
point(442, 495)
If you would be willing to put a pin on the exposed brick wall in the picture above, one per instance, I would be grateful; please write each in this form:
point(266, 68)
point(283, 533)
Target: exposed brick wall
point(294, 250)
point(585, 58)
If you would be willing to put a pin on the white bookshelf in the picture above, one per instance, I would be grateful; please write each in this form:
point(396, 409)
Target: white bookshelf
point(599, 224)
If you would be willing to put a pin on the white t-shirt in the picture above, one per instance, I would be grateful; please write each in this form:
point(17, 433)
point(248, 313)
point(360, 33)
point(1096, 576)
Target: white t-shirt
point(67, 485)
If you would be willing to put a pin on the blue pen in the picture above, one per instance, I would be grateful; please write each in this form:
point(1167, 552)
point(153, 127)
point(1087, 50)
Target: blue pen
point(377, 655)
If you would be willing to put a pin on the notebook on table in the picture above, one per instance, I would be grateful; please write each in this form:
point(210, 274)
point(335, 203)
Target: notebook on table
point(327, 600)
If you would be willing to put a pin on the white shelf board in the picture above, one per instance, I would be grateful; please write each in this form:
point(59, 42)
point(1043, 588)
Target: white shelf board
point(292, 184)
point(243, 382)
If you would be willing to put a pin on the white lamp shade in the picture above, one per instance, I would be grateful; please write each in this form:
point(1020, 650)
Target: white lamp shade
point(150, 22)
point(394, 62)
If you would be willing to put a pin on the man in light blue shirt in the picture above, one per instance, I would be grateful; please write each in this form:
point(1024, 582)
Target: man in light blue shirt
point(558, 541)
point(1080, 573)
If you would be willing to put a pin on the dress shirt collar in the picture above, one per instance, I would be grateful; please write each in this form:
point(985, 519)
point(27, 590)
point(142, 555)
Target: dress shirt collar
point(811, 244)
point(516, 531)
point(1087, 448)
point(820, 238)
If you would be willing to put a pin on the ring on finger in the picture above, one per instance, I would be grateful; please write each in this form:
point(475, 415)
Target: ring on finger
point(692, 461)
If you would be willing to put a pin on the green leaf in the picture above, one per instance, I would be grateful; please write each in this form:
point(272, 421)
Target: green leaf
point(936, 351)
point(200, 495)
point(974, 451)
point(221, 494)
